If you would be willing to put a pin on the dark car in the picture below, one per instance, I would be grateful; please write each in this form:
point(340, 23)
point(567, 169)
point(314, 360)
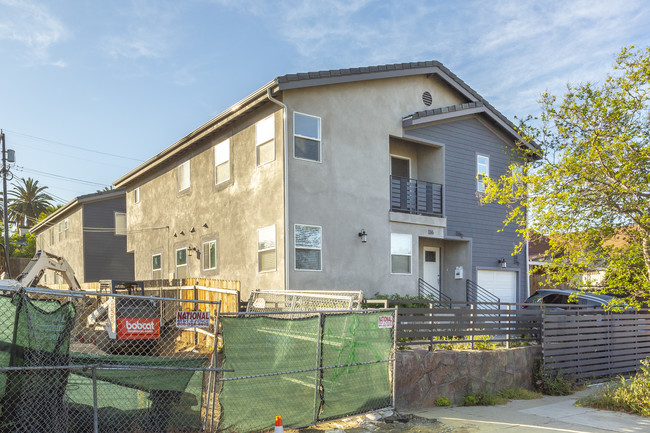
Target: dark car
point(561, 296)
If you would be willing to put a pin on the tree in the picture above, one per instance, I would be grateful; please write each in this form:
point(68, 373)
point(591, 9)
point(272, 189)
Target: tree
point(27, 200)
point(588, 186)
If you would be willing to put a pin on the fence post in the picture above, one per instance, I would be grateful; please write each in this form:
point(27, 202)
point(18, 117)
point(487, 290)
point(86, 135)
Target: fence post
point(471, 323)
point(431, 330)
point(319, 367)
point(95, 414)
point(508, 328)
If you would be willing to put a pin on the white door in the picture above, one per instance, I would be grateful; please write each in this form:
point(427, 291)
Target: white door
point(500, 283)
point(431, 267)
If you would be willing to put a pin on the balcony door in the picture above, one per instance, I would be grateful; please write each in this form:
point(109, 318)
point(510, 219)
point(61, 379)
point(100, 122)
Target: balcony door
point(400, 166)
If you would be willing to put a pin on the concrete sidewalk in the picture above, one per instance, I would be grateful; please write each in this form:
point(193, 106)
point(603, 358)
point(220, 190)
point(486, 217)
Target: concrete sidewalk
point(547, 414)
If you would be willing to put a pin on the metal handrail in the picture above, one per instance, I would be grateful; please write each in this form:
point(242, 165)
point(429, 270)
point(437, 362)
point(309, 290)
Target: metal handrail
point(476, 293)
point(427, 291)
point(415, 196)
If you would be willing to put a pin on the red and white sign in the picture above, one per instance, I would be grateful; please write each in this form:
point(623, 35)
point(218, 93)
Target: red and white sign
point(136, 329)
point(385, 321)
point(192, 319)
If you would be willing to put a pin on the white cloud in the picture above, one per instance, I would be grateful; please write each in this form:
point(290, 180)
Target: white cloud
point(32, 26)
point(148, 31)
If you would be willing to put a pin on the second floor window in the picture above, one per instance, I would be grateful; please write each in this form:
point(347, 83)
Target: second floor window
point(184, 176)
point(120, 223)
point(306, 137)
point(222, 162)
point(61, 231)
point(265, 140)
point(51, 236)
point(136, 195)
point(482, 171)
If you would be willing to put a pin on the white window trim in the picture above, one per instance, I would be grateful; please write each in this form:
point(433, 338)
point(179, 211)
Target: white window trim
point(479, 176)
point(161, 265)
point(275, 268)
point(176, 265)
point(225, 142)
point(189, 176)
point(410, 256)
point(405, 158)
point(115, 214)
point(320, 137)
point(257, 145)
point(136, 195)
point(216, 254)
point(295, 247)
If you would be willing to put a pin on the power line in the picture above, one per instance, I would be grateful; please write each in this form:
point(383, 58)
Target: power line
point(74, 147)
point(58, 176)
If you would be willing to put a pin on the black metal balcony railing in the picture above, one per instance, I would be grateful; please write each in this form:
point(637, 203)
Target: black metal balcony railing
point(415, 196)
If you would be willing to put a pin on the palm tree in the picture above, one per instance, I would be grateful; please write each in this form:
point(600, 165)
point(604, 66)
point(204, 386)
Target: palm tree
point(27, 200)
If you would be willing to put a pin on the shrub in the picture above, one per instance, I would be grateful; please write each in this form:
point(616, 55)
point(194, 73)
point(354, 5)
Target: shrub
point(624, 396)
point(552, 383)
point(442, 401)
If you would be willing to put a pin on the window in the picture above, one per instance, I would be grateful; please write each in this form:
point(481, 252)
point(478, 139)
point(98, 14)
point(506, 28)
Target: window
point(66, 225)
point(308, 243)
point(52, 236)
point(265, 140)
point(156, 267)
point(482, 170)
point(518, 186)
point(306, 137)
point(400, 253)
point(222, 162)
point(136, 195)
point(184, 176)
point(266, 249)
point(210, 255)
point(181, 263)
point(61, 231)
point(120, 223)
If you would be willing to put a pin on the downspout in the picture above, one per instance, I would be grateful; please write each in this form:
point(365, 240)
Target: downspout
point(285, 135)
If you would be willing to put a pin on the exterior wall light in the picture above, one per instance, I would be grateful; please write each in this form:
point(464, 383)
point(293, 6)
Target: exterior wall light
point(502, 262)
point(363, 235)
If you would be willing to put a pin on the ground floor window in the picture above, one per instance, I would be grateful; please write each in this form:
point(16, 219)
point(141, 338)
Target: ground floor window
point(401, 250)
point(308, 243)
point(209, 255)
point(156, 267)
point(266, 260)
point(181, 263)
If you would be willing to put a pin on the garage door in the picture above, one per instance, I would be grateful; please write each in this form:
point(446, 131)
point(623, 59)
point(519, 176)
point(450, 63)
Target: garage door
point(500, 283)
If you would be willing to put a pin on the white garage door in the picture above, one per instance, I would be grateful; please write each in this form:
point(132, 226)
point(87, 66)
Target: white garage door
point(500, 283)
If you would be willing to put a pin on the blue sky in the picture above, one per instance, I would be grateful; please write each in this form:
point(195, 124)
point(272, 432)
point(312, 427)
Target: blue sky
point(89, 88)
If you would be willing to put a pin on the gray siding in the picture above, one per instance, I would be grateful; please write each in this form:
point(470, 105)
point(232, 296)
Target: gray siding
point(105, 255)
point(463, 139)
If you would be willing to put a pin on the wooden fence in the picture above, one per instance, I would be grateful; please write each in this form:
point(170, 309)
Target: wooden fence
point(589, 344)
point(467, 324)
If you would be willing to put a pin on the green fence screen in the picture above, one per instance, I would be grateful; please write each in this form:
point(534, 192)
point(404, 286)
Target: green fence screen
point(306, 370)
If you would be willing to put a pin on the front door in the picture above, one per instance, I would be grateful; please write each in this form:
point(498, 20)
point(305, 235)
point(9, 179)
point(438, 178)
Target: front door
point(431, 267)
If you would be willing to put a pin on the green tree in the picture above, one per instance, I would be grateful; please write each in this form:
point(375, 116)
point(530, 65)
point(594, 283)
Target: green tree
point(588, 186)
point(27, 200)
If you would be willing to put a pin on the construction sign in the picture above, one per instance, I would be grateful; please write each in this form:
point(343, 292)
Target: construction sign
point(193, 319)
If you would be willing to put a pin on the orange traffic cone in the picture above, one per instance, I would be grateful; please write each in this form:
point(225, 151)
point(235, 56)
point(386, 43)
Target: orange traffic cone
point(278, 425)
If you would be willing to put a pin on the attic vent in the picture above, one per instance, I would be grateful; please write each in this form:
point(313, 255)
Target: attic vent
point(426, 98)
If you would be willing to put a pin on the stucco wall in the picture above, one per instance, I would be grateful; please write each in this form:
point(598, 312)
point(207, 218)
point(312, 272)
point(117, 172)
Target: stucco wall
point(165, 220)
point(349, 190)
point(70, 246)
point(422, 376)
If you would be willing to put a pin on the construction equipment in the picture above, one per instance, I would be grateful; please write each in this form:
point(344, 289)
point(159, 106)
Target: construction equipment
point(42, 261)
point(129, 323)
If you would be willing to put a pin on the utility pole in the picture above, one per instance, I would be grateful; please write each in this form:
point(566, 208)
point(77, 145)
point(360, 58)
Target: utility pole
point(4, 198)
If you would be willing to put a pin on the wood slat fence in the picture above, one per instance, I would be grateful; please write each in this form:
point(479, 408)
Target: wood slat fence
point(467, 324)
point(590, 344)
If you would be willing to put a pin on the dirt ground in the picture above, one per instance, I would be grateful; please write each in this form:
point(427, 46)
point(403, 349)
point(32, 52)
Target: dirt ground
point(383, 422)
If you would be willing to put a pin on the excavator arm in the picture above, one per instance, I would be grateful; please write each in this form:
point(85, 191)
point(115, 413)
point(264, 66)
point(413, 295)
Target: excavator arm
point(42, 261)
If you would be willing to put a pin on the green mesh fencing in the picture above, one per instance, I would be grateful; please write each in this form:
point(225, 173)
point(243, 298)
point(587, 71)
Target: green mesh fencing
point(305, 370)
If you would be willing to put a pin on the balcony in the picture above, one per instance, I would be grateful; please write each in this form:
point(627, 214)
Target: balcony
point(415, 196)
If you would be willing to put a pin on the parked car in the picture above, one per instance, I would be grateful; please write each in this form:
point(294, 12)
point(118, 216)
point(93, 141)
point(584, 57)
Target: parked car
point(561, 296)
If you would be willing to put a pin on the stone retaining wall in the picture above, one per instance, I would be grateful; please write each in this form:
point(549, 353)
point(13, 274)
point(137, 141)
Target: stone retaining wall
point(423, 376)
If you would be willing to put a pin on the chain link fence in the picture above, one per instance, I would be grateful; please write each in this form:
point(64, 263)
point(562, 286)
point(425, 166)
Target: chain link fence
point(310, 367)
point(105, 362)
